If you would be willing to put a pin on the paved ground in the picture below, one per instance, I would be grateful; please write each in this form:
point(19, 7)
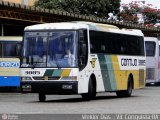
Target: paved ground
point(145, 100)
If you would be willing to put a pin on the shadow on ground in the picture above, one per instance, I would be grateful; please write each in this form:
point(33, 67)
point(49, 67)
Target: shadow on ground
point(79, 99)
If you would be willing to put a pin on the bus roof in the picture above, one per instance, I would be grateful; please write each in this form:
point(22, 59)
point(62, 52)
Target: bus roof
point(151, 39)
point(84, 25)
point(10, 38)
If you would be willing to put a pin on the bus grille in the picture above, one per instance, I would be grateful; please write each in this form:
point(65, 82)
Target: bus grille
point(150, 73)
point(48, 78)
point(141, 77)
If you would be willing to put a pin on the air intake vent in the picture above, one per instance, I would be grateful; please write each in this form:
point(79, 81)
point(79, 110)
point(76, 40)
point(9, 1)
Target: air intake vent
point(46, 78)
point(141, 77)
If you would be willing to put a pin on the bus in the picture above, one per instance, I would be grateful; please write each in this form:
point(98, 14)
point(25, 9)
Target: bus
point(152, 60)
point(81, 58)
point(9, 61)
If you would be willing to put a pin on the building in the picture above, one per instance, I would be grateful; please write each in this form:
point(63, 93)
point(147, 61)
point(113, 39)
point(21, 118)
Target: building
point(24, 2)
point(15, 16)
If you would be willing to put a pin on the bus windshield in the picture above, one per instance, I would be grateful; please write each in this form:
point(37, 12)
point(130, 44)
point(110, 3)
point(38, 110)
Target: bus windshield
point(50, 49)
point(9, 49)
point(150, 48)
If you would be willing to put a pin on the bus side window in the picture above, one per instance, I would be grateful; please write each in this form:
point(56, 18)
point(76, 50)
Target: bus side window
point(103, 48)
point(1, 52)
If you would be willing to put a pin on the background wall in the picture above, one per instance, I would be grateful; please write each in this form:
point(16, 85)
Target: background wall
point(25, 2)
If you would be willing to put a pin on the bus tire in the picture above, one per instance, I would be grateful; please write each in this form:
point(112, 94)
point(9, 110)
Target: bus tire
point(128, 92)
point(91, 91)
point(42, 97)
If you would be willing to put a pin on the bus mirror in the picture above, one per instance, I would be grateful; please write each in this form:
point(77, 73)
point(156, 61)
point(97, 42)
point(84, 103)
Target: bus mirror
point(83, 49)
point(81, 39)
point(81, 35)
point(18, 49)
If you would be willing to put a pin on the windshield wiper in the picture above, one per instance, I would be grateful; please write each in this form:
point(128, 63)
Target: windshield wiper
point(35, 64)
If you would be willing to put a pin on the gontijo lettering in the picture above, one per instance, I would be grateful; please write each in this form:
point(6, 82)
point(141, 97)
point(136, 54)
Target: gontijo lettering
point(9, 64)
point(128, 62)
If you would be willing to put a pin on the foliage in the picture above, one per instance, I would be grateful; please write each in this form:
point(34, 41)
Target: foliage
point(150, 15)
point(131, 11)
point(98, 8)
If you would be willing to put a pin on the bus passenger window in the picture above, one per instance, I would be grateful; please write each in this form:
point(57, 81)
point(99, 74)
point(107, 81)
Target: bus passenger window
point(1, 50)
point(103, 49)
point(9, 50)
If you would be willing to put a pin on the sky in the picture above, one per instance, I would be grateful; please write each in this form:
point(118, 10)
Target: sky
point(155, 3)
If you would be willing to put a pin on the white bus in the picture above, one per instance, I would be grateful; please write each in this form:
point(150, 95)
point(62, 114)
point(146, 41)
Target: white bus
point(82, 58)
point(152, 60)
point(9, 61)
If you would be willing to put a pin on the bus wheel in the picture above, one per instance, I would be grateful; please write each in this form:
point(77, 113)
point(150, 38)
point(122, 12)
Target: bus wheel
point(128, 92)
point(91, 91)
point(42, 97)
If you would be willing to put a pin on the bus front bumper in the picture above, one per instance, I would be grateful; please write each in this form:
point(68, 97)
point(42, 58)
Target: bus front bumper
point(50, 87)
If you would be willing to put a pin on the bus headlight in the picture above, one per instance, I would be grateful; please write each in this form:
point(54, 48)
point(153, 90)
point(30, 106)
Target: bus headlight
point(69, 78)
point(25, 78)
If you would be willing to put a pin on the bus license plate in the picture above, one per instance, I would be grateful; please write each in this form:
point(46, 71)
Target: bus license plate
point(26, 88)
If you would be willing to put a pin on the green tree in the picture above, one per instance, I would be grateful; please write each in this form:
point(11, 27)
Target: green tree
point(98, 8)
point(49, 4)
